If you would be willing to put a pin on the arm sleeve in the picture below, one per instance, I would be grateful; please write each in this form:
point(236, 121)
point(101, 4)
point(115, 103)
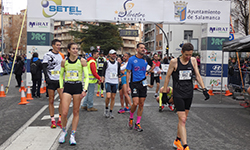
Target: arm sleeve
point(61, 77)
point(104, 69)
point(93, 70)
point(124, 66)
point(86, 76)
point(160, 99)
point(119, 70)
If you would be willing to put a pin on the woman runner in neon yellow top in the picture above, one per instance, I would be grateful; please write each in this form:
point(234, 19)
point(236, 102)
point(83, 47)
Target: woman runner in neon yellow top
point(73, 67)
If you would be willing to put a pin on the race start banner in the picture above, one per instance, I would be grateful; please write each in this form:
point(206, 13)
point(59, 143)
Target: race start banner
point(157, 11)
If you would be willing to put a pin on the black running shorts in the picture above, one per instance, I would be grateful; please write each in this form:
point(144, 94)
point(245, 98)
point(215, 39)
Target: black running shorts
point(53, 85)
point(72, 89)
point(182, 104)
point(138, 90)
point(156, 79)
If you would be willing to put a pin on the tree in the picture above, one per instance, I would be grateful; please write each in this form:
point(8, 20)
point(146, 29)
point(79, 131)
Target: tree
point(105, 35)
point(240, 12)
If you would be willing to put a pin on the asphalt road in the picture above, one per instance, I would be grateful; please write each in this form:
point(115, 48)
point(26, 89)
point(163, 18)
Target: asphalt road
point(210, 126)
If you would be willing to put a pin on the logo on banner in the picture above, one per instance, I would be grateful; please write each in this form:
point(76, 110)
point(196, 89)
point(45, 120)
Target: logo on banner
point(52, 7)
point(32, 50)
point(127, 14)
point(212, 56)
point(215, 70)
point(180, 10)
point(218, 29)
point(215, 82)
point(38, 24)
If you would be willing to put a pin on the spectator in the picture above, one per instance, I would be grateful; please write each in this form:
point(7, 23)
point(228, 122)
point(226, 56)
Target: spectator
point(165, 60)
point(36, 73)
point(198, 61)
point(245, 68)
point(19, 70)
point(231, 67)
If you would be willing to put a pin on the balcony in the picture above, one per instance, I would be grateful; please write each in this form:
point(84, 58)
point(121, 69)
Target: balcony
point(57, 23)
point(128, 45)
point(129, 38)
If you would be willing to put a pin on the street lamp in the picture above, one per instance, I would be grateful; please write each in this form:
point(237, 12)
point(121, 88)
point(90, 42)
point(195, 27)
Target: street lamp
point(167, 46)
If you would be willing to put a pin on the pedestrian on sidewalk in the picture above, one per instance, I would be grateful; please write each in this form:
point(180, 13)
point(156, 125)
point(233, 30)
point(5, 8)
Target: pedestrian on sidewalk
point(93, 78)
point(73, 68)
point(51, 68)
point(19, 70)
point(182, 70)
point(111, 76)
point(36, 75)
point(100, 63)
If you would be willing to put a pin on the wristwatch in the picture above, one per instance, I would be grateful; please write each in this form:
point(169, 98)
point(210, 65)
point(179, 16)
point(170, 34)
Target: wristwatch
point(85, 91)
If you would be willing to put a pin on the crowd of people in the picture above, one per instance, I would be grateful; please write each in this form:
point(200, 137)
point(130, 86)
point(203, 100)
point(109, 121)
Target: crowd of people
point(126, 74)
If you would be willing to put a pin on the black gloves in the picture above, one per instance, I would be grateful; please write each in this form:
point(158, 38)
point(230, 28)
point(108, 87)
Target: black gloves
point(164, 98)
point(205, 94)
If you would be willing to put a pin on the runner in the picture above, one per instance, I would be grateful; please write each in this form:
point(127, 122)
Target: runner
point(51, 68)
point(136, 71)
point(155, 74)
point(93, 77)
point(100, 62)
point(182, 69)
point(111, 75)
point(167, 100)
point(123, 86)
point(73, 67)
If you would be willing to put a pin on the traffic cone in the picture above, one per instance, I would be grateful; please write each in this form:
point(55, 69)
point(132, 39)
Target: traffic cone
point(44, 86)
point(22, 87)
point(160, 77)
point(23, 99)
point(210, 92)
point(228, 93)
point(2, 93)
point(42, 89)
point(196, 85)
point(29, 96)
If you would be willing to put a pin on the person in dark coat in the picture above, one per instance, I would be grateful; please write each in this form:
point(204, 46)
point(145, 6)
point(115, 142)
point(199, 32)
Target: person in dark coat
point(37, 76)
point(19, 70)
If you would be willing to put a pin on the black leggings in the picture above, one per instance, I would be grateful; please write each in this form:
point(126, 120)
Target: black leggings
point(18, 79)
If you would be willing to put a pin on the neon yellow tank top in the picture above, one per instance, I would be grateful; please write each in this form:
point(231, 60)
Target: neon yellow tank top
point(73, 71)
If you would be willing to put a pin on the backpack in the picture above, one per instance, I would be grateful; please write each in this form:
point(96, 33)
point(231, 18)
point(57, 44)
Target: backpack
point(33, 68)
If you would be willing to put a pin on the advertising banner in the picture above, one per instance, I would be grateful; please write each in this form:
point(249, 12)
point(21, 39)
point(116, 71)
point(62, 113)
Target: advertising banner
point(213, 43)
point(216, 81)
point(213, 57)
point(40, 25)
point(39, 38)
point(214, 70)
point(215, 30)
point(41, 50)
point(164, 67)
point(167, 11)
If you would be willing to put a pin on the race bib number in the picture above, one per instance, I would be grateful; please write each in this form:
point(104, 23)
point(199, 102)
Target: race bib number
point(54, 72)
point(73, 74)
point(156, 74)
point(100, 65)
point(144, 82)
point(113, 75)
point(185, 74)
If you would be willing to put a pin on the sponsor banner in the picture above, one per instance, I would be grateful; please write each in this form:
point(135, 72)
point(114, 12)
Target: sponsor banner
point(39, 38)
point(213, 57)
point(214, 70)
point(167, 11)
point(213, 43)
point(215, 30)
point(216, 81)
point(164, 67)
point(41, 50)
point(40, 25)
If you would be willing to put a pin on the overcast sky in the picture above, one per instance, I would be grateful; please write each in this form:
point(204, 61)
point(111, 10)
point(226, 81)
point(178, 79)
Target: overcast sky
point(17, 5)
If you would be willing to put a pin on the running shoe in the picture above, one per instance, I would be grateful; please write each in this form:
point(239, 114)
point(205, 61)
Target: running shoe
point(177, 144)
point(121, 111)
point(72, 140)
point(53, 124)
point(97, 94)
point(59, 124)
point(106, 114)
point(161, 108)
point(170, 106)
point(62, 137)
point(102, 96)
point(130, 123)
point(187, 148)
point(138, 127)
point(111, 116)
point(126, 109)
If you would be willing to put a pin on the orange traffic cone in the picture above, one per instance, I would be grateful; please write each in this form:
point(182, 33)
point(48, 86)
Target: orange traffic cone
point(42, 88)
point(210, 92)
point(23, 99)
point(160, 77)
point(29, 96)
point(228, 93)
point(22, 87)
point(2, 93)
point(196, 85)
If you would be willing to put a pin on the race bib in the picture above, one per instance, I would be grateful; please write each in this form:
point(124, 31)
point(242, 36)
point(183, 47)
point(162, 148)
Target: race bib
point(144, 82)
point(73, 74)
point(100, 65)
point(113, 75)
point(156, 74)
point(185, 74)
point(54, 72)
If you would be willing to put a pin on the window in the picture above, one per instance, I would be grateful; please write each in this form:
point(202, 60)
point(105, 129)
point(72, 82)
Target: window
point(160, 43)
point(236, 26)
point(188, 34)
point(170, 37)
